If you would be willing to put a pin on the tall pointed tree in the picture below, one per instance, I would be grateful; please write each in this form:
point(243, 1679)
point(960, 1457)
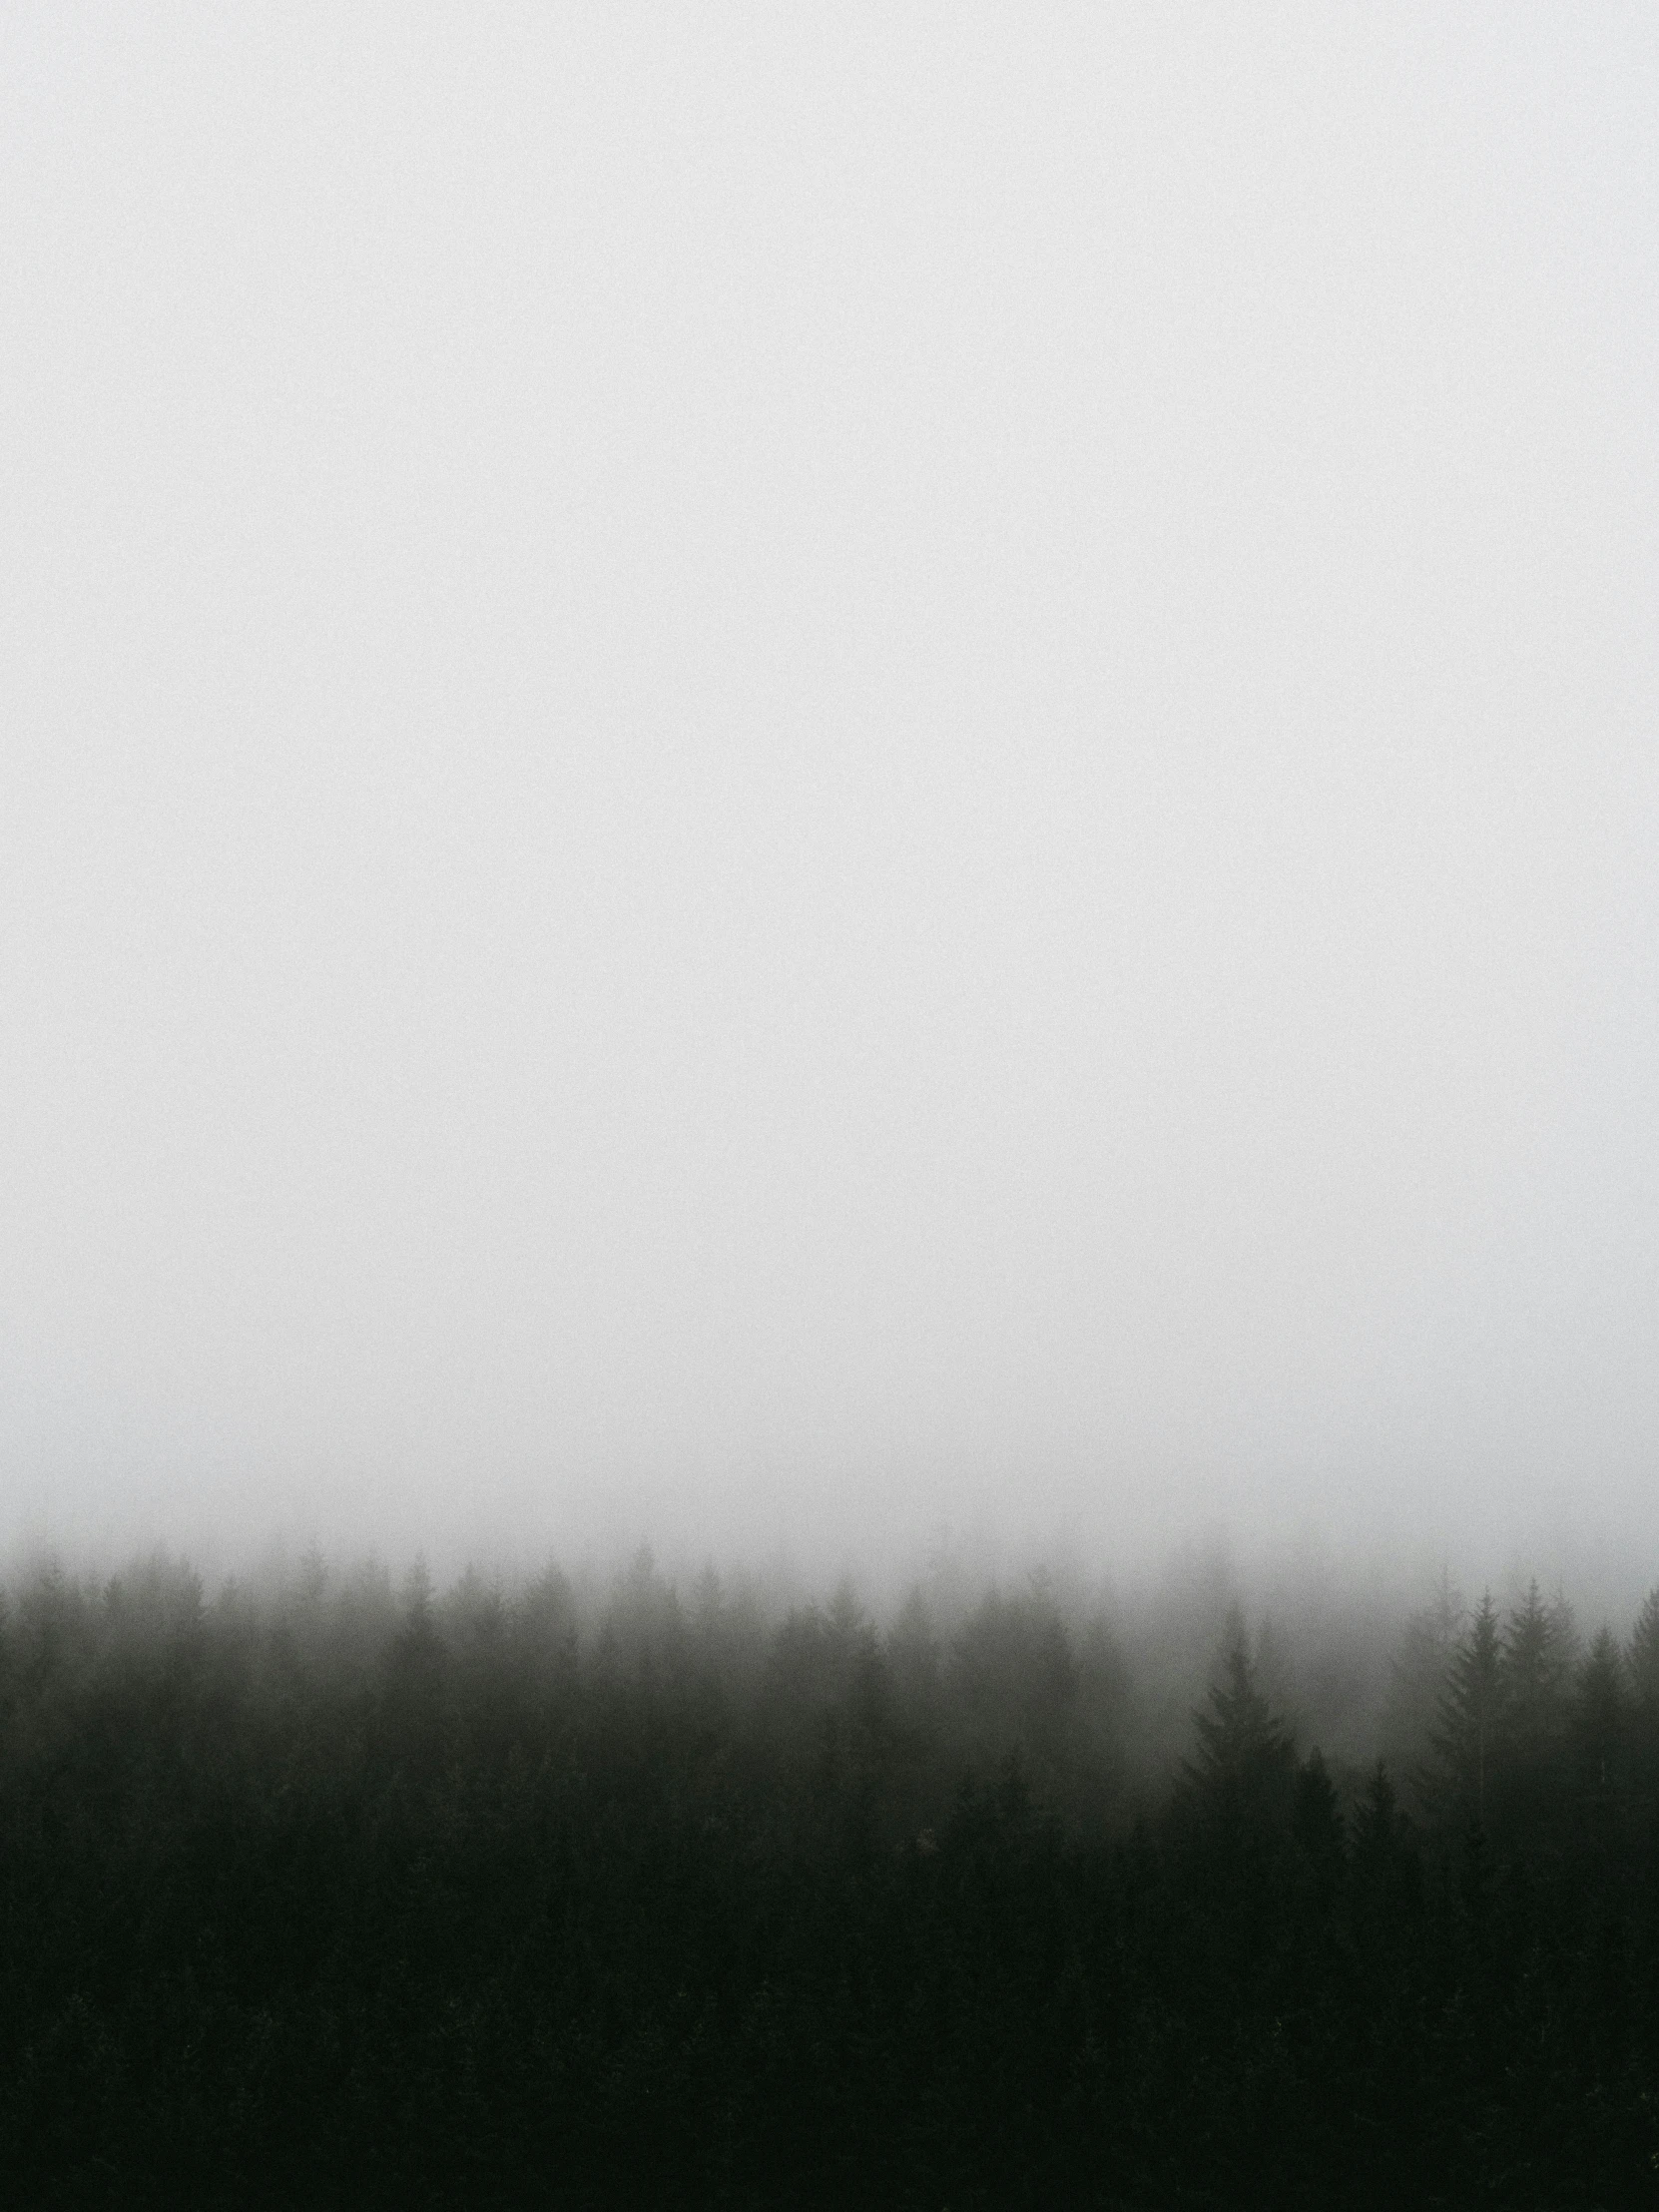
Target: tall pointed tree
point(1601, 1717)
point(1539, 1645)
point(1644, 1654)
point(1536, 1652)
point(1376, 1817)
point(1467, 1739)
point(1644, 1692)
point(1386, 1869)
point(1245, 1765)
point(1317, 1823)
point(1417, 1680)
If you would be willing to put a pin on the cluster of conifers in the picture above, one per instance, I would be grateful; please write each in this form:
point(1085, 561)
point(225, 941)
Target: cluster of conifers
point(1523, 1728)
point(336, 1892)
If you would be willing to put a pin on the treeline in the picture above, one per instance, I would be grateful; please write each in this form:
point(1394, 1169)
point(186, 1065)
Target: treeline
point(338, 1891)
point(1511, 1721)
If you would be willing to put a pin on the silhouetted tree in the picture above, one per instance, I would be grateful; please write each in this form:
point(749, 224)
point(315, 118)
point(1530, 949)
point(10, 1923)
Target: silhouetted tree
point(1537, 1658)
point(1467, 1739)
point(1386, 1869)
point(1417, 1682)
point(1536, 1655)
point(1317, 1822)
point(1245, 1765)
point(1600, 1720)
point(416, 1668)
point(1376, 1816)
point(1644, 1653)
point(913, 1656)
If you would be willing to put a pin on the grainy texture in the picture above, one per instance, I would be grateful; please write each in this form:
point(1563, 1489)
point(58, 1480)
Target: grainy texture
point(342, 1900)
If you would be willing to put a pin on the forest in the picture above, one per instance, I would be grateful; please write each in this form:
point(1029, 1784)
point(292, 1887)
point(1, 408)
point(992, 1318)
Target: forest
point(338, 1889)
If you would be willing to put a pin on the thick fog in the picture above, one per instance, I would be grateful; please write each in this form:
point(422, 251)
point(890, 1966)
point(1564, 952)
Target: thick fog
point(780, 779)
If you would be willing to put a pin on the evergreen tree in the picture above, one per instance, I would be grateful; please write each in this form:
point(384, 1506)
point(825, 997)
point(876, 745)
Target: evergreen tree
point(1600, 1718)
point(1570, 1644)
point(914, 1655)
point(1536, 1653)
point(1317, 1822)
point(1644, 1651)
point(1643, 1676)
point(1245, 1765)
point(1467, 1738)
point(413, 1686)
point(1644, 1656)
point(1417, 1682)
point(1275, 1675)
point(1536, 1649)
point(1385, 1868)
point(1376, 1816)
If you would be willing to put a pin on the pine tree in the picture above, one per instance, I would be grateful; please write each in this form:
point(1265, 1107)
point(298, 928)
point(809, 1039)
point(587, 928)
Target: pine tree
point(1601, 1717)
point(1245, 1760)
point(1467, 1739)
point(1271, 1664)
point(1376, 1817)
point(1317, 1822)
point(1643, 1676)
point(1644, 1655)
point(414, 1668)
point(1536, 1647)
point(1570, 1644)
point(1386, 1869)
point(1417, 1682)
point(1537, 1654)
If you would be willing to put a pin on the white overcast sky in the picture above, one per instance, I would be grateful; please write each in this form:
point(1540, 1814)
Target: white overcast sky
point(771, 775)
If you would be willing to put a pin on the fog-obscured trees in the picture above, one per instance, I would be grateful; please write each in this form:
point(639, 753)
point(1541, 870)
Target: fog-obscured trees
point(355, 1890)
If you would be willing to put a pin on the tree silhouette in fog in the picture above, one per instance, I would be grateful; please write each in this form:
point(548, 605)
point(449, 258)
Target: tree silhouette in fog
point(1418, 1675)
point(1470, 1718)
point(1245, 1766)
point(1599, 1721)
point(1644, 1659)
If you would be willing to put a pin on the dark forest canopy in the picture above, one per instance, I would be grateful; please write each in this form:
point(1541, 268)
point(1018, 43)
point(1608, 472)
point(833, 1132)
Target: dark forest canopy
point(337, 1885)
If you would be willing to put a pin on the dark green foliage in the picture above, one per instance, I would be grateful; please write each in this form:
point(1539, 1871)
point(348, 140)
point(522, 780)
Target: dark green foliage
point(376, 1895)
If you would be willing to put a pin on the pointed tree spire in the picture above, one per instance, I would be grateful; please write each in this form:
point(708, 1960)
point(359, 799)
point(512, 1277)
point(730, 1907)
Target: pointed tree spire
point(1317, 1821)
point(1466, 1740)
point(1535, 1646)
point(1644, 1654)
point(1376, 1817)
point(1600, 1716)
point(1246, 1756)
